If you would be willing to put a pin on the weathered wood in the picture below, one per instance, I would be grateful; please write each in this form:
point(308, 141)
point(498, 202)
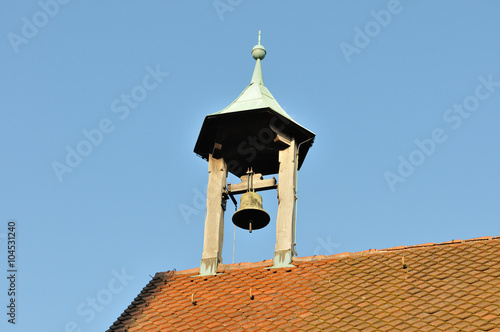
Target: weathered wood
point(214, 220)
point(258, 185)
point(285, 222)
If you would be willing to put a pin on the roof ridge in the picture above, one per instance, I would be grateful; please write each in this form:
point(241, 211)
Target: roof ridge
point(397, 248)
point(245, 265)
point(432, 244)
point(269, 262)
point(221, 268)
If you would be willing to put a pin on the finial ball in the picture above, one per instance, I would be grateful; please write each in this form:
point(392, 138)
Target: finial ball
point(258, 52)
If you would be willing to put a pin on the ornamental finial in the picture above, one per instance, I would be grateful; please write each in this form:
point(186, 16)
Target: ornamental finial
point(258, 51)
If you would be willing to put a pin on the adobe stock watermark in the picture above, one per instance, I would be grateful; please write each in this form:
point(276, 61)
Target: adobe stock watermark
point(87, 310)
point(12, 270)
point(122, 107)
point(454, 116)
point(373, 28)
point(196, 206)
point(31, 27)
point(223, 6)
point(325, 245)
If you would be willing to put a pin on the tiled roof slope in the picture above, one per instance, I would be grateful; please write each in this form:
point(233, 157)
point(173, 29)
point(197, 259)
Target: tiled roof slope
point(452, 286)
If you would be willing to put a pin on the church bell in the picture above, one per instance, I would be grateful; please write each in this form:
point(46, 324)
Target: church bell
point(251, 215)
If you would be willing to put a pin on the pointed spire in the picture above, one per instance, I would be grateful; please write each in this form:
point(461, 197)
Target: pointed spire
point(257, 74)
point(255, 95)
point(258, 53)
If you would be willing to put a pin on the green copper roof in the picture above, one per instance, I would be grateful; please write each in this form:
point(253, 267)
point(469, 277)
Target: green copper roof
point(254, 115)
point(255, 95)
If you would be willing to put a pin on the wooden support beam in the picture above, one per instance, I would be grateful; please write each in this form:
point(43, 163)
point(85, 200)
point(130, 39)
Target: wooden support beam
point(214, 220)
point(285, 222)
point(258, 185)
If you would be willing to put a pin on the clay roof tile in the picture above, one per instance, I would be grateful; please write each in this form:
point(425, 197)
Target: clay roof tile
point(444, 286)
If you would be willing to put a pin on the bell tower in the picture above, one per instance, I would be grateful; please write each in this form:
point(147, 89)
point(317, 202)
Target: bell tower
point(251, 138)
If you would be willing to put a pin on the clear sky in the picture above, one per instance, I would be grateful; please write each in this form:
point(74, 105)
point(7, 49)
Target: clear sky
point(102, 102)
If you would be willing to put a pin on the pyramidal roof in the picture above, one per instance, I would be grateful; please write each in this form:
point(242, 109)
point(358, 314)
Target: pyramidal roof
point(255, 95)
point(255, 109)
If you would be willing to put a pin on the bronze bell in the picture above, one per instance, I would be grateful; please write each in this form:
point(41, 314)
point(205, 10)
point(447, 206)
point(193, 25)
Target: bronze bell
point(251, 215)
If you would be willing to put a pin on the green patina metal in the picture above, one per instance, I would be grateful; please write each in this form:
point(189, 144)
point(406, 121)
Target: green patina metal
point(255, 95)
point(254, 113)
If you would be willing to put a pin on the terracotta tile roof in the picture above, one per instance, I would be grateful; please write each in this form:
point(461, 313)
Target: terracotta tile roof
point(451, 286)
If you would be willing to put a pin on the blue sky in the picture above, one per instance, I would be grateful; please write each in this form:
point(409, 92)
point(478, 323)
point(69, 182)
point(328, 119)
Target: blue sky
point(404, 97)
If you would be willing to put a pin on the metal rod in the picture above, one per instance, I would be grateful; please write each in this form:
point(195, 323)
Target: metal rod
point(251, 179)
point(248, 179)
point(234, 201)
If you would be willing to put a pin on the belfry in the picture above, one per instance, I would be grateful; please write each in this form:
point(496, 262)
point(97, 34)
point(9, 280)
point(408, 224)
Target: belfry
point(251, 138)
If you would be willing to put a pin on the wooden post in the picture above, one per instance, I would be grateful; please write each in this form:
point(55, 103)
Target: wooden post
point(214, 220)
point(285, 222)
